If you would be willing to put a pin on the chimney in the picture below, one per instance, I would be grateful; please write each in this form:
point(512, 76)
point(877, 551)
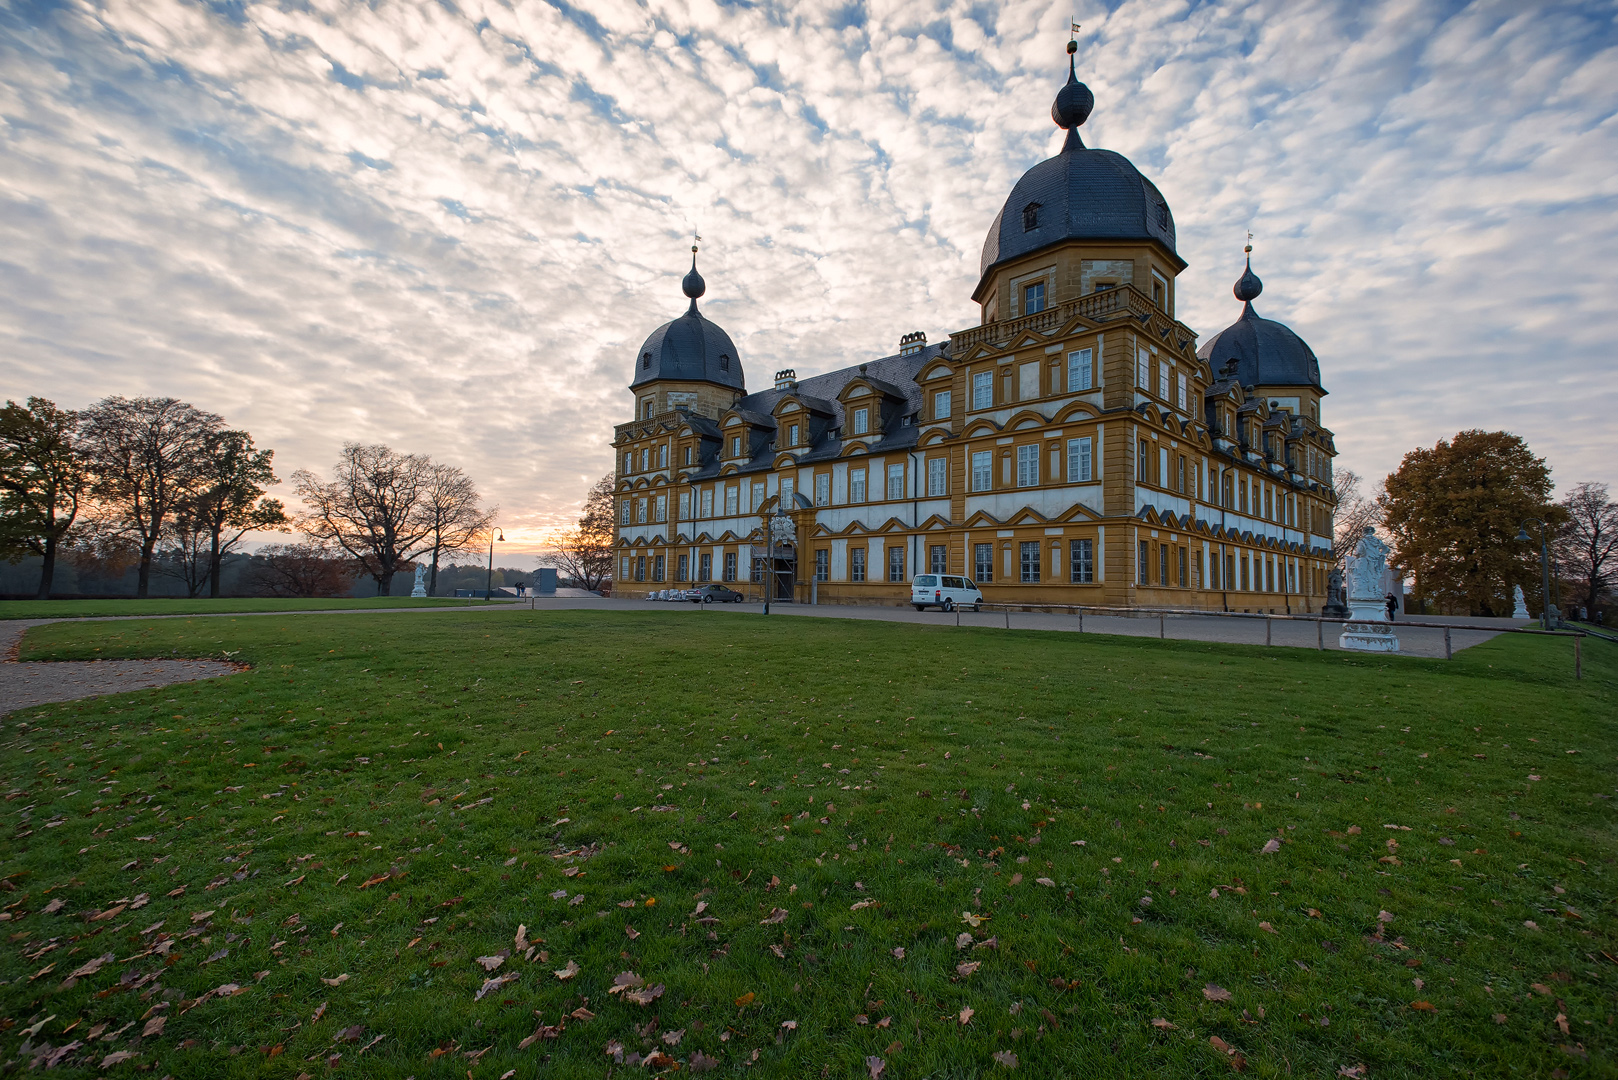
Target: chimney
point(912, 342)
point(786, 379)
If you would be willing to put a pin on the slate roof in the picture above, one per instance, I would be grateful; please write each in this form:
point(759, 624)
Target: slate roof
point(1267, 353)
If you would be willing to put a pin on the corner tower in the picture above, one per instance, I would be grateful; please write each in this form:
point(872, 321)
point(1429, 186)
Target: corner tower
point(1081, 222)
point(688, 363)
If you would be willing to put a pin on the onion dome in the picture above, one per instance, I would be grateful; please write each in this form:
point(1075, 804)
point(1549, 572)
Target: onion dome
point(691, 348)
point(1265, 352)
point(1080, 194)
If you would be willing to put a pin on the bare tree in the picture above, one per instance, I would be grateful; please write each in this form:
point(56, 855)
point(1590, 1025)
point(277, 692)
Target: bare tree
point(147, 455)
point(226, 504)
point(454, 520)
point(44, 481)
point(1587, 546)
point(297, 570)
point(371, 508)
point(1356, 511)
point(584, 552)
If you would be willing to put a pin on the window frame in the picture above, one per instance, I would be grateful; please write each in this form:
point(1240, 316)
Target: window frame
point(1080, 371)
point(857, 558)
point(1081, 460)
point(983, 470)
point(982, 390)
point(1081, 561)
point(983, 563)
point(896, 563)
point(937, 477)
point(1028, 465)
point(1033, 292)
point(942, 402)
point(1029, 568)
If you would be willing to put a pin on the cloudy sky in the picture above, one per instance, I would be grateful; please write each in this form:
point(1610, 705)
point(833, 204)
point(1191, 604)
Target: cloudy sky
point(448, 224)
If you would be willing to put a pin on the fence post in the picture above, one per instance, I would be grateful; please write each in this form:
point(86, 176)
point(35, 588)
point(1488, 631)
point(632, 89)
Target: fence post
point(1578, 660)
point(1320, 634)
point(957, 614)
point(1267, 623)
point(1008, 616)
point(1160, 626)
point(1448, 654)
point(1081, 620)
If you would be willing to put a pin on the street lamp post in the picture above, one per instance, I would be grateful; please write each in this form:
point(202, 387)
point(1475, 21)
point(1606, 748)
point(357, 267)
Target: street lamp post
point(1544, 569)
point(488, 584)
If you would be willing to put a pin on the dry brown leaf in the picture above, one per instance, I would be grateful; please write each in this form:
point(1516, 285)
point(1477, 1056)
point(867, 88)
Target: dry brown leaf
point(1424, 1006)
point(625, 980)
point(973, 920)
point(963, 939)
point(776, 915)
point(1267, 928)
point(491, 985)
point(154, 1026)
point(701, 1062)
point(1159, 1022)
point(1006, 1058)
point(568, 971)
point(967, 968)
point(876, 1066)
point(1045, 881)
point(967, 1013)
point(340, 980)
point(117, 1057)
point(1271, 846)
point(745, 1000)
point(645, 996)
point(489, 963)
point(898, 952)
point(1215, 993)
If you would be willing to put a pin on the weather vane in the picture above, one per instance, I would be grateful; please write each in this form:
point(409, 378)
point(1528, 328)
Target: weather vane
point(696, 239)
point(1073, 42)
point(1249, 248)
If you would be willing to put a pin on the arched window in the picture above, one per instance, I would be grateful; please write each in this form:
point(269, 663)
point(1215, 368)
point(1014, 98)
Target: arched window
point(1030, 217)
point(724, 361)
point(646, 360)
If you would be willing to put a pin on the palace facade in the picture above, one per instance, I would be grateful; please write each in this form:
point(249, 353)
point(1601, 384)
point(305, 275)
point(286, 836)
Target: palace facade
point(1075, 447)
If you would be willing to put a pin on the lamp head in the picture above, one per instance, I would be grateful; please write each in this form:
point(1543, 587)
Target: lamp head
point(500, 536)
point(1522, 534)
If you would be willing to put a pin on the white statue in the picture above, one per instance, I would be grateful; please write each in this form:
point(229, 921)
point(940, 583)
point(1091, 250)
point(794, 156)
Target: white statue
point(421, 581)
point(1367, 628)
point(1519, 608)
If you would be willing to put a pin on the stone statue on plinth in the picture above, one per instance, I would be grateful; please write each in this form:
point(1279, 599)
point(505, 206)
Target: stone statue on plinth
point(421, 582)
point(1335, 607)
point(1519, 608)
point(1367, 628)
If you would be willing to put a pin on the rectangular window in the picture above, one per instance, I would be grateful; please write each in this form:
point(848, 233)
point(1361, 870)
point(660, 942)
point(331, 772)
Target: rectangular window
point(1027, 466)
point(822, 564)
point(856, 570)
point(983, 390)
point(640, 511)
point(640, 568)
point(756, 573)
point(822, 489)
point(1179, 475)
point(1144, 563)
point(983, 562)
point(1143, 457)
point(1185, 567)
point(1180, 392)
point(792, 434)
point(705, 566)
point(1081, 554)
point(661, 508)
point(623, 568)
point(1242, 496)
point(786, 493)
point(688, 455)
point(856, 485)
point(941, 405)
point(730, 566)
point(1029, 550)
point(705, 498)
point(657, 568)
point(896, 564)
point(1247, 584)
point(896, 481)
point(1143, 369)
point(627, 510)
point(735, 446)
point(937, 476)
point(1080, 371)
point(1033, 298)
point(685, 505)
point(982, 470)
point(758, 497)
point(1163, 374)
point(1269, 575)
point(1027, 382)
point(731, 505)
point(862, 421)
point(682, 568)
point(1162, 564)
point(1079, 460)
point(937, 559)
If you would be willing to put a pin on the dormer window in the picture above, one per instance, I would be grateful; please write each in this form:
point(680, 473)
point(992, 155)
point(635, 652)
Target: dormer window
point(646, 360)
point(724, 361)
point(792, 434)
point(862, 421)
point(1030, 217)
point(735, 446)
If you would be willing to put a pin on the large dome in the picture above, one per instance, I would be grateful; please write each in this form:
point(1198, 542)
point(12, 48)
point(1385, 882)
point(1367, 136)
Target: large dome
point(1080, 194)
point(690, 348)
point(1266, 353)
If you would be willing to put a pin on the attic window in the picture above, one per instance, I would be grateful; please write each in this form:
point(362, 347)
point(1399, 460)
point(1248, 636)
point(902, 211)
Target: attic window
point(645, 360)
point(1162, 215)
point(724, 361)
point(1030, 217)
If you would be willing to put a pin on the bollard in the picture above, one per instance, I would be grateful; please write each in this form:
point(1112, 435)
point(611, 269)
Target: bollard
point(1008, 616)
point(1320, 634)
point(957, 615)
point(1267, 622)
point(1448, 655)
point(1160, 626)
point(1081, 620)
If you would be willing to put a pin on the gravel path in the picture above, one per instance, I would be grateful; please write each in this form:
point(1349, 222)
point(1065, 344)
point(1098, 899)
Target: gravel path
point(27, 684)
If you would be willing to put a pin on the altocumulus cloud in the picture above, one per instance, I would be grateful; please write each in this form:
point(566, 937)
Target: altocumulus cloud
point(447, 226)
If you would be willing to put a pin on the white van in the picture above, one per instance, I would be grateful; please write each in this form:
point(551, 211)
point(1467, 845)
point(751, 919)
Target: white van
point(945, 592)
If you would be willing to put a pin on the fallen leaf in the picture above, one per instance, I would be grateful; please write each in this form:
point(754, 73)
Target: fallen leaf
point(625, 980)
point(90, 967)
point(701, 1062)
point(776, 915)
point(861, 904)
point(1006, 1058)
point(745, 1000)
point(973, 920)
point(1355, 1072)
point(490, 962)
point(1045, 881)
point(963, 939)
point(646, 996)
point(567, 972)
point(491, 985)
point(340, 980)
point(876, 1065)
point(792, 1025)
point(1384, 917)
point(117, 1057)
point(966, 1014)
point(1215, 993)
point(1159, 1022)
point(522, 937)
point(1313, 914)
point(1423, 1006)
point(672, 1038)
point(899, 952)
point(154, 1026)
point(1271, 846)
point(965, 969)
point(201, 916)
point(1267, 928)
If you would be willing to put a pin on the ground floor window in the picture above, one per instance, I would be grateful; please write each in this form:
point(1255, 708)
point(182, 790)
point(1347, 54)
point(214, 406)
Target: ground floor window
point(657, 568)
point(1030, 561)
point(640, 568)
point(936, 560)
point(822, 564)
point(1247, 584)
point(730, 566)
point(1144, 568)
point(896, 564)
point(756, 572)
point(857, 564)
point(1081, 554)
point(983, 562)
point(682, 568)
point(1185, 571)
point(1162, 564)
point(705, 567)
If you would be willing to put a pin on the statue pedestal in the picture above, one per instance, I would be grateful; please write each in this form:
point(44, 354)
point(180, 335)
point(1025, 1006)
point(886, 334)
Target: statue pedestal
point(1519, 609)
point(418, 593)
point(1368, 629)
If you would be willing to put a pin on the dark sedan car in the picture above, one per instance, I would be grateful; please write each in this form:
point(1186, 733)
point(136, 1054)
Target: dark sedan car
point(714, 594)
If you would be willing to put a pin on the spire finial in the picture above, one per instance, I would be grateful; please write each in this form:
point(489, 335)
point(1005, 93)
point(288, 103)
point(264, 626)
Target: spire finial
point(1074, 101)
point(693, 285)
point(1248, 286)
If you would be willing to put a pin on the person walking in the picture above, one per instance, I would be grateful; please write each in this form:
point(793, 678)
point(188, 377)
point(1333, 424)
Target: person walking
point(1393, 606)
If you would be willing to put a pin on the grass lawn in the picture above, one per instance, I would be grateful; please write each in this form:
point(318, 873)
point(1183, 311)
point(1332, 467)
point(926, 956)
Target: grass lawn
point(163, 605)
point(823, 848)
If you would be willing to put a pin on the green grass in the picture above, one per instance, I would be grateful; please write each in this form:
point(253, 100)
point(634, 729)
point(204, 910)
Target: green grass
point(646, 763)
point(162, 605)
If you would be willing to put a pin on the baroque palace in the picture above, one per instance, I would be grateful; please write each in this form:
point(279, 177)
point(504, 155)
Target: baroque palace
point(1075, 447)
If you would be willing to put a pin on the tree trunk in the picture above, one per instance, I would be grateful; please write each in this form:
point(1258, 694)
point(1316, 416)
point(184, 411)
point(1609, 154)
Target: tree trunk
point(384, 583)
point(215, 565)
point(47, 569)
point(432, 576)
point(143, 580)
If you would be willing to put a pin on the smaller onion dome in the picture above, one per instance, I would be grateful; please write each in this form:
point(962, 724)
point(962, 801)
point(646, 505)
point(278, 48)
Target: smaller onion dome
point(691, 348)
point(692, 284)
point(1264, 352)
